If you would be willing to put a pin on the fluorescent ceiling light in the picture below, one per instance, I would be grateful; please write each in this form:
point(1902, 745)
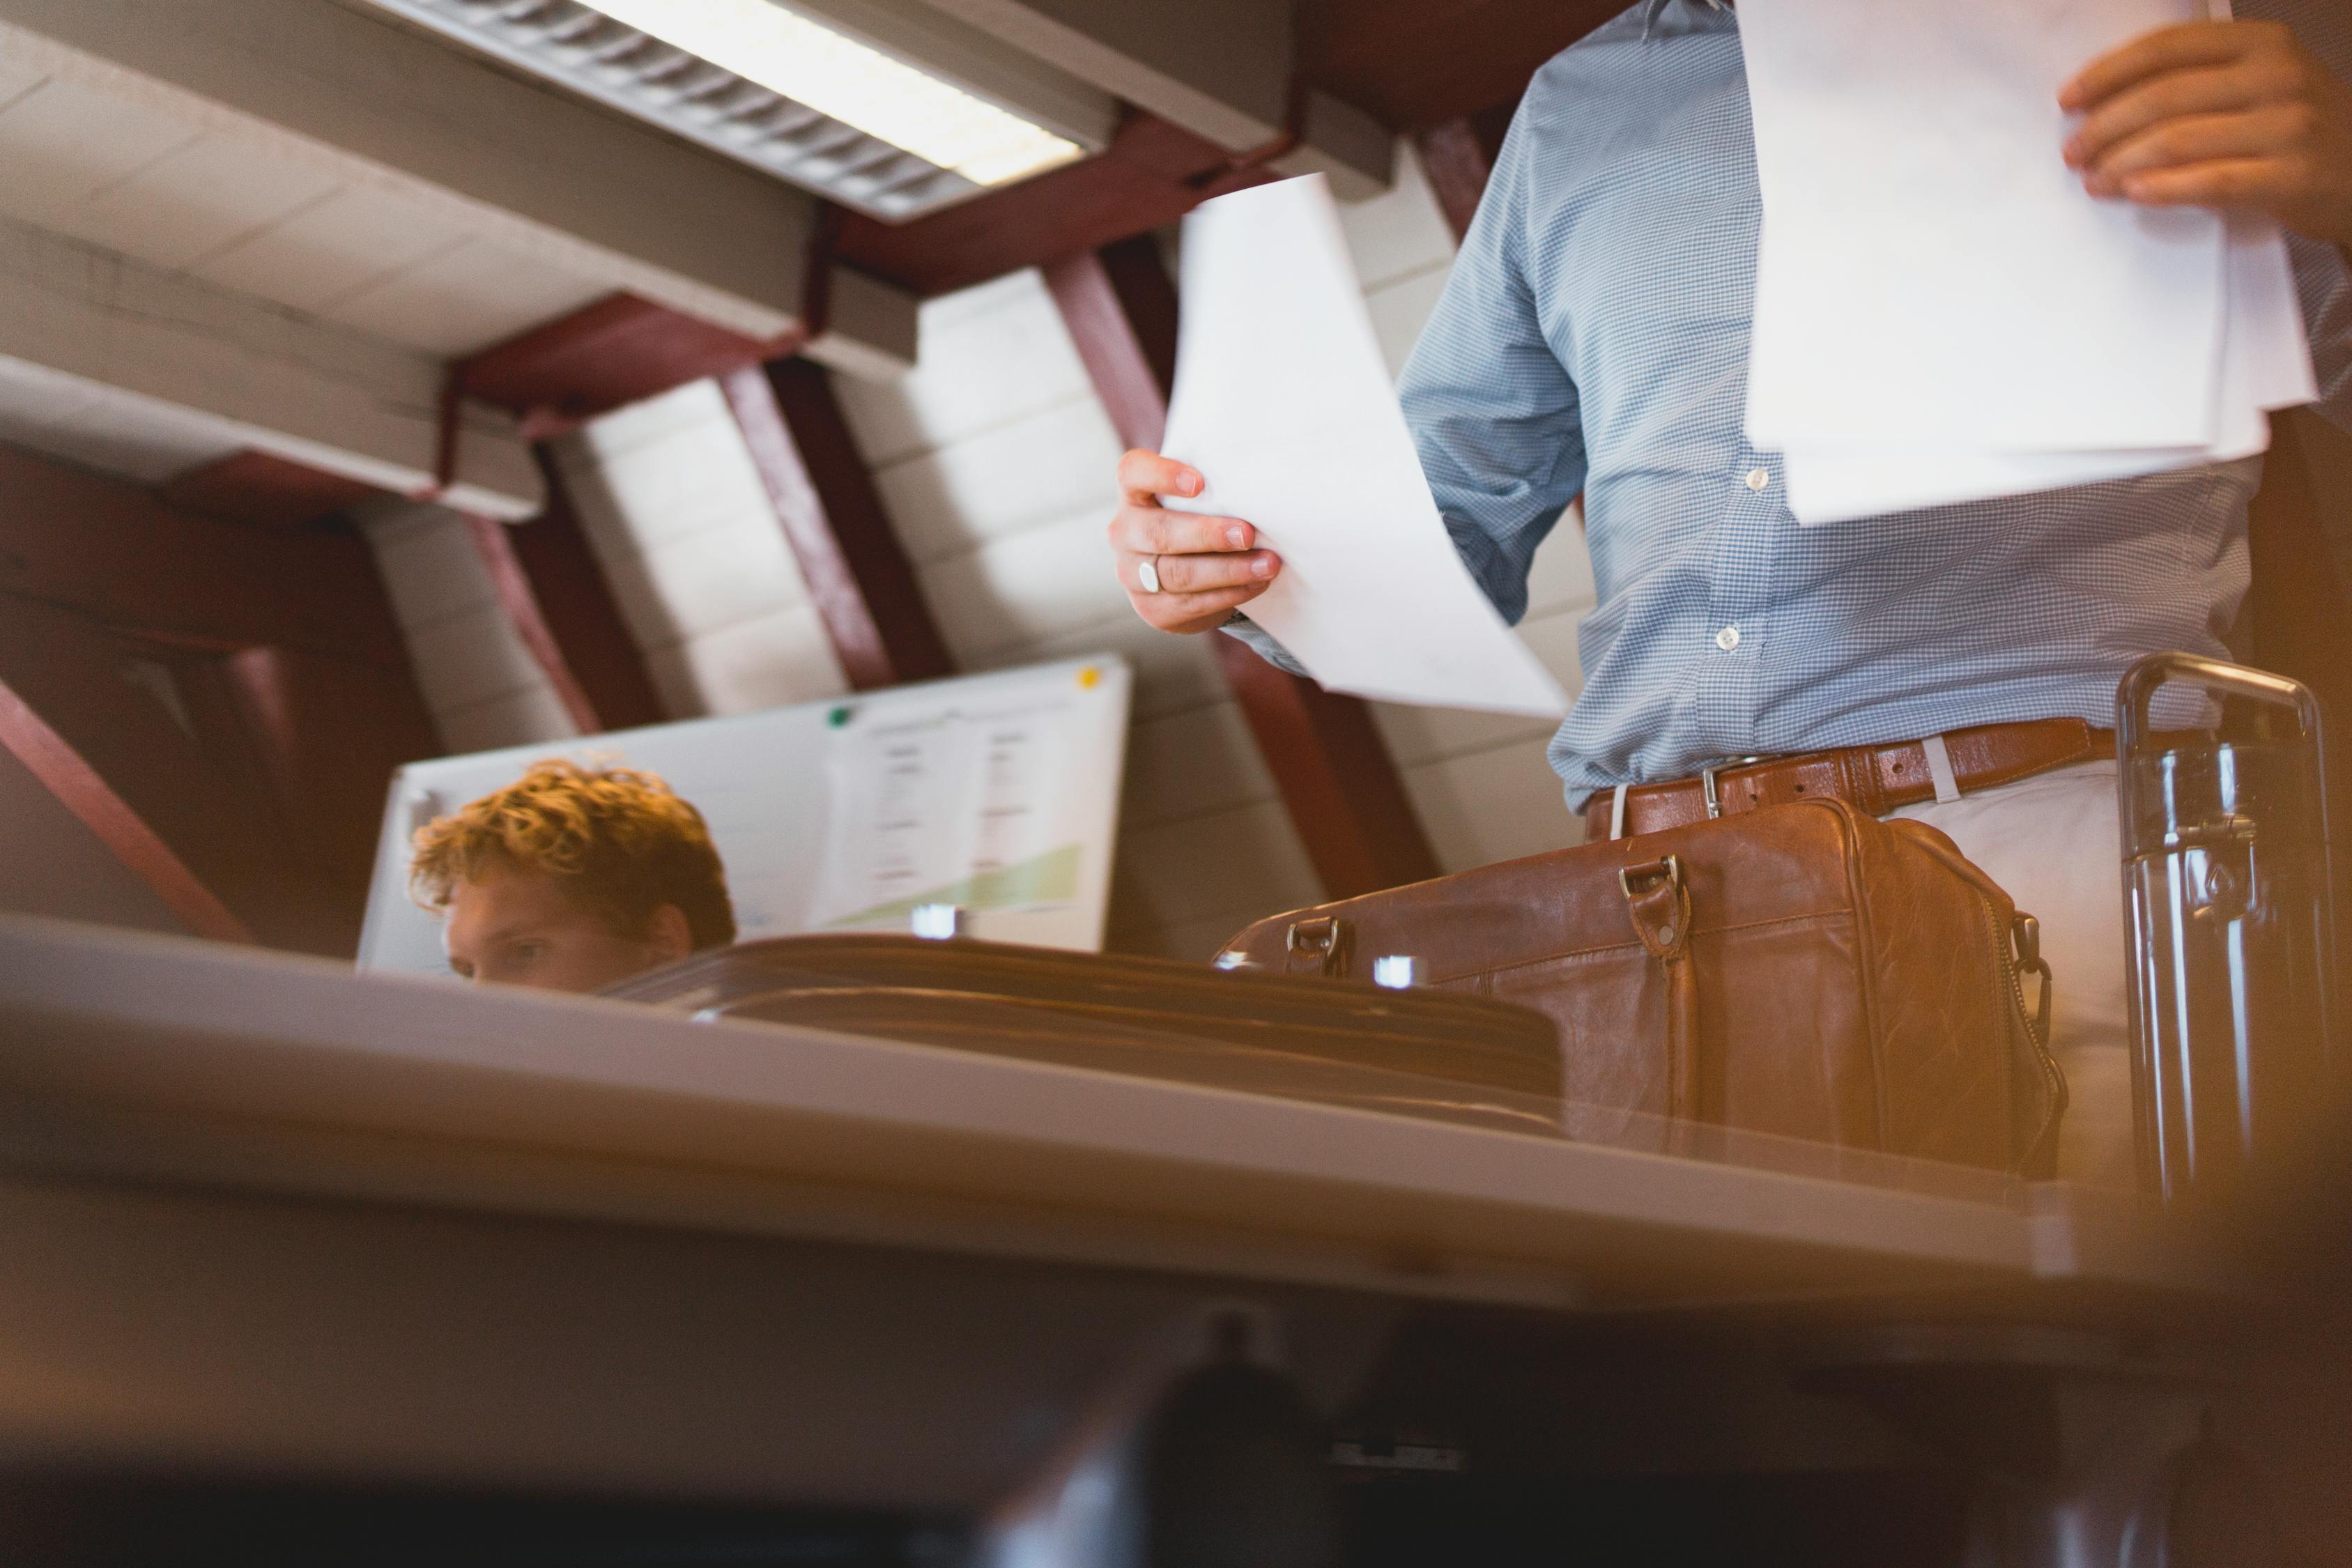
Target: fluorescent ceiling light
point(841, 78)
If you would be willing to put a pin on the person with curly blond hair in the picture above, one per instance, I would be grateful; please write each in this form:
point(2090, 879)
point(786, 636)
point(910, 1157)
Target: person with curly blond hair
point(572, 878)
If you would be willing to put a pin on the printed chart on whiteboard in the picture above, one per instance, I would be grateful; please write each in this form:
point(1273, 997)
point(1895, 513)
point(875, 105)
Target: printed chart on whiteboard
point(963, 805)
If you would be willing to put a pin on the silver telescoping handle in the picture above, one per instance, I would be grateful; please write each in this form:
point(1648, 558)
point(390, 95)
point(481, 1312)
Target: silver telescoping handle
point(2158, 671)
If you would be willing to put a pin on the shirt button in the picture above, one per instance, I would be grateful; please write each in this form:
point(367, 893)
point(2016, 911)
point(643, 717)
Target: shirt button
point(1728, 638)
point(1759, 480)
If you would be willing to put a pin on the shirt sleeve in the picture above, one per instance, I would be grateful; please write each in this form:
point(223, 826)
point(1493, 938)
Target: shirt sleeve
point(1493, 411)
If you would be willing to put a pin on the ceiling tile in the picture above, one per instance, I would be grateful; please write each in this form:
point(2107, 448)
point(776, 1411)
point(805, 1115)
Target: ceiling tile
point(196, 200)
point(321, 252)
point(15, 80)
point(61, 145)
point(463, 298)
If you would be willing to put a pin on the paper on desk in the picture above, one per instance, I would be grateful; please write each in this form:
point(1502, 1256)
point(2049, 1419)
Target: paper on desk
point(2266, 366)
point(1284, 407)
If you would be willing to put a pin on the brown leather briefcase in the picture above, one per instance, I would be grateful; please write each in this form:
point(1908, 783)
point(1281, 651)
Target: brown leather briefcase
point(1462, 1058)
point(1804, 969)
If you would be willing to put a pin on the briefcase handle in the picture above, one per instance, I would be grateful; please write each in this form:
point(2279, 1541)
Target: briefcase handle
point(1659, 902)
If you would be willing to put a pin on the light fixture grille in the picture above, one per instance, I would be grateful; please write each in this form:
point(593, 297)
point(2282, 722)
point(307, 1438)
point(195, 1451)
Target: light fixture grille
point(593, 54)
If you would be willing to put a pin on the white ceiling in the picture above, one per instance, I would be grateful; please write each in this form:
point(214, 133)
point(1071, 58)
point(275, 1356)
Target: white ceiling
point(130, 178)
point(127, 177)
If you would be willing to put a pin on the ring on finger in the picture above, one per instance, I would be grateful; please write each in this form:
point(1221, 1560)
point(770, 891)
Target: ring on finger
point(1147, 572)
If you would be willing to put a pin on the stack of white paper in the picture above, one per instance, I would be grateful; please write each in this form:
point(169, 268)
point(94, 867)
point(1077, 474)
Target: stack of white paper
point(1942, 312)
point(1284, 405)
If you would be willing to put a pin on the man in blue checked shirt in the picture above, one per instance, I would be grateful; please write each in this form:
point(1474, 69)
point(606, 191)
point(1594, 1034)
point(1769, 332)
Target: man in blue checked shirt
point(1955, 664)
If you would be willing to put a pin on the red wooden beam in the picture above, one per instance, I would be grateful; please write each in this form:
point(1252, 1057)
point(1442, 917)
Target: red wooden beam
point(1152, 174)
point(320, 738)
point(519, 601)
point(1457, 163)
point(618, 350)
point(1411, 64)
point(68, 775)
point(1338, 783)
point(578, 608)
point(116, 553)
point(265, 490)
point(857, 573)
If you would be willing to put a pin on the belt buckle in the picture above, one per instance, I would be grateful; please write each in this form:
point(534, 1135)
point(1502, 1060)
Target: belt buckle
point(1706, 780)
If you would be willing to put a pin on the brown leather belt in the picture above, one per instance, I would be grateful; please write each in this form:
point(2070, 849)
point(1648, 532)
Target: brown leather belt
point(1875, 778)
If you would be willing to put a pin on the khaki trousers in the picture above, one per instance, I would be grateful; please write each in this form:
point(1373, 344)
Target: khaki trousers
point(2052, 841)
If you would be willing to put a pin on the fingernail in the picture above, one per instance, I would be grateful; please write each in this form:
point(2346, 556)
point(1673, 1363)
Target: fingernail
point(1189, 484)
point(1263, 566)
point(1236, 538)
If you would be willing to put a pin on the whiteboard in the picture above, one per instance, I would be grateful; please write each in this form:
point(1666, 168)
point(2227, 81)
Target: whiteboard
point(996, 793)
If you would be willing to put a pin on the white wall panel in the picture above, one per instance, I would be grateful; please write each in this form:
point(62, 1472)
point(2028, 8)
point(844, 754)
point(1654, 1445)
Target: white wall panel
point(478, 681)
point(1040, 468)
point(1175, 873)
point(660, 471)
point(779, 658)
point(1492, 805)
point(697, 583)
point(1192, 765)
point(991, 356)
point(1399, 234)
point(516, 718)
point(1040, 583)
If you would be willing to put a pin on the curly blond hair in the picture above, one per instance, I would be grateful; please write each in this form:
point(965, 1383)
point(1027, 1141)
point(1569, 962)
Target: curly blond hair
point(621, 842)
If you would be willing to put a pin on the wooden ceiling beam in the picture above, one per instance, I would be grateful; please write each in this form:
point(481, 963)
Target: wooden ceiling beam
point(119, 554)
point(65, 773)
point(264, 490)
point(1153, 174)
point(857, 573)
point(616, 351)
point(1339, 785)
point(1413, 64)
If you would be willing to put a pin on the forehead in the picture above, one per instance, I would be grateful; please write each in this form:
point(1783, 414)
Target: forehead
point(501, 902)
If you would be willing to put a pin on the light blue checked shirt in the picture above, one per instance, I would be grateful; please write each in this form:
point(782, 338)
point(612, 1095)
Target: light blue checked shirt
point(1593, 338)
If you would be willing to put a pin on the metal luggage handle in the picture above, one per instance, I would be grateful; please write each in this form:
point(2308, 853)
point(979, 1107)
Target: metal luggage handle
point(2158, 671)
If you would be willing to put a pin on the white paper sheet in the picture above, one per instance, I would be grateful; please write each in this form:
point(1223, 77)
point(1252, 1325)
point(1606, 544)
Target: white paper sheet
point(2264, 363)
point(1930, 264)
point(1284, 405)
point(2266, 366)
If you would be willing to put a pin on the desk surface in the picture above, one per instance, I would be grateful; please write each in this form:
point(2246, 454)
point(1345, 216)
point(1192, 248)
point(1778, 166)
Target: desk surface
point(164, 1059)
point(262, 1213)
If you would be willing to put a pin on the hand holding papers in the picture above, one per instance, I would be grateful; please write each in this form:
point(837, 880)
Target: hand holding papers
point(1284, 405)
point(1942, 312)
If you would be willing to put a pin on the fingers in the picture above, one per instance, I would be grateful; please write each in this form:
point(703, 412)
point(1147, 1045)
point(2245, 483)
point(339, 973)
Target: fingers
point(1148, 531)
point(2187, 47)
point(1145, 477)
point(2177, 96)
point(1182, 575)
point(2261, 184)
point(1189, 612)
point(2264, 134)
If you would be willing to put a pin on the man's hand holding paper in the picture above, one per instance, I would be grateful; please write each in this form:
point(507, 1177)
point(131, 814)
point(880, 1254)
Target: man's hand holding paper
point(2235, 114)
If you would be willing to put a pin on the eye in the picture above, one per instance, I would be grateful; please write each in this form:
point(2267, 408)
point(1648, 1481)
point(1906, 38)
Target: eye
point(526, 951)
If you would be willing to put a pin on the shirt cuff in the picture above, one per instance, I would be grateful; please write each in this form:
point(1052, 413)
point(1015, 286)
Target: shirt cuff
point(1259, 640)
